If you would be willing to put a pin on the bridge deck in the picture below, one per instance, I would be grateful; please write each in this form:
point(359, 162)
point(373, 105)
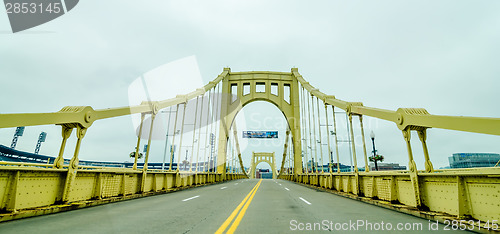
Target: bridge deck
point(204, 209)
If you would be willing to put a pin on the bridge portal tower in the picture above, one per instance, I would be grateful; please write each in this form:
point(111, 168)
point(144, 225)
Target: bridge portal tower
point(242, 88)
point(263, 157)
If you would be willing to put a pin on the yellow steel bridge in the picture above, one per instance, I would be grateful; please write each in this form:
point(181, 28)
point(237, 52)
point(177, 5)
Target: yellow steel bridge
point(33, 189)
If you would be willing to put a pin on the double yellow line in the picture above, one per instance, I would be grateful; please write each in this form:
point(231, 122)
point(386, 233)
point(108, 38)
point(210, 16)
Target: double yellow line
point(245, 203)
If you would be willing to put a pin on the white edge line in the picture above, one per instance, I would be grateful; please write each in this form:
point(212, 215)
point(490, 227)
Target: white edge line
point(304, 200)
point(223, 188)
point(187, 199)
point(287, 189)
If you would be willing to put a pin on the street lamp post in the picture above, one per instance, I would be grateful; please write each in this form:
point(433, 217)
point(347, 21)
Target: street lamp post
point(372, 135)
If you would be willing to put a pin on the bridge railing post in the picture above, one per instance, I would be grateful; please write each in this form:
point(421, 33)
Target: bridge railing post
point(464, 204)
point(11, 204)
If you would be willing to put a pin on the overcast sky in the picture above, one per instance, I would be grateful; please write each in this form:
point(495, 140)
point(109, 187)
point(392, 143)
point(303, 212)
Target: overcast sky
point(439, 55)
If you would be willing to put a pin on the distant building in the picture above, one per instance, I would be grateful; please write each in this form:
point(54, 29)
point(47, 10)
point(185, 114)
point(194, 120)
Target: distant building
point(312, 164)
point(386, 166)
point(264, 174)
point(469, 160)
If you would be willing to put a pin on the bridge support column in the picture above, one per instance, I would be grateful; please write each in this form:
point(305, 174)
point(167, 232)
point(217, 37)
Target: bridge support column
point(12, 194)
point(98, 186)
point(283, 161)
point(146, 157)
point(464, 206)
point(355, 161)
point(225, 124)
point(336, 140)
point(422, 134)
point(138, 143)
point(367, 167)
point(73, 165)
point(412, 169)
point(66, 133)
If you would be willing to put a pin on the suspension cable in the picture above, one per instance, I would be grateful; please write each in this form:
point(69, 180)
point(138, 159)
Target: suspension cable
point(210, 161)
point(194, 134)
point(218, 118)
point(314, 134)
point(199, 134)
point(305, 131)
point(182, 134)
point(336, 140)
point(353, 145)
point(330, 156)
point(205, 159)
point(166, 139)
point(320, 138)
point(172, 149)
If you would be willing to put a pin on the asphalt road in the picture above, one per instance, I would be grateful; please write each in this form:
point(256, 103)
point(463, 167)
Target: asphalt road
point(271, 206)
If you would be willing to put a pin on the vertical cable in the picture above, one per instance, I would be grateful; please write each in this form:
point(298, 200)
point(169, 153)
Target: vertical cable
point(65, 137)
point(353, 145)
point(199, 133)
point(194, 134)
point(205, 159)
point(320, 138)
point(287, 161)
point(349, 140)
point(229, 149)
point(210, 161)
point(217, 119)
point(367, 167)
point(172, 147)
point(305, 131)
point(290, 161)
point(330, 165)
point(182, 133)
point(314, 134)
point(145, 165)
point(336, 140)
point(233, 162)
point(166, 139)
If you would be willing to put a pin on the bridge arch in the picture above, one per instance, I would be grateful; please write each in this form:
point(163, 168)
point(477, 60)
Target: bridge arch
point(242, 88)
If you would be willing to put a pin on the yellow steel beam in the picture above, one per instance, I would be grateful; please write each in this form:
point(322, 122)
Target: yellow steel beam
point(85, 115)
point(483, 125)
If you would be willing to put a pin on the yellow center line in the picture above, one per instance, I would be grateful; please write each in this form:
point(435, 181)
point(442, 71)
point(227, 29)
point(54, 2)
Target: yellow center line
point(235, 212)
point(242, 213)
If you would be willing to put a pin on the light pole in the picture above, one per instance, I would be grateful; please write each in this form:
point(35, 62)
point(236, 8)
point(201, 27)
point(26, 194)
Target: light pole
point(372, 135)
